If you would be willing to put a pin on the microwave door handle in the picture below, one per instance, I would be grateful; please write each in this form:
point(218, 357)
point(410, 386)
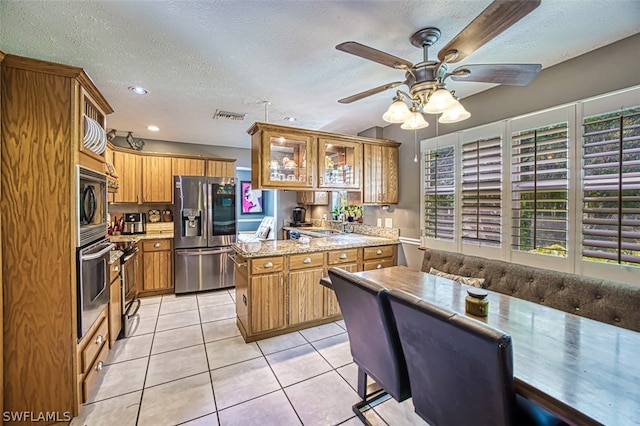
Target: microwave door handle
point(101, 253)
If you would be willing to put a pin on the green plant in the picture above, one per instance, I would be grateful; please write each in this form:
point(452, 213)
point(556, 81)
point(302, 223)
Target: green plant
point(353, 211)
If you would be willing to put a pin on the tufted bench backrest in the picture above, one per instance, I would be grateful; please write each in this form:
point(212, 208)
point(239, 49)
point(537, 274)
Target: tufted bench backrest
point(602, 300)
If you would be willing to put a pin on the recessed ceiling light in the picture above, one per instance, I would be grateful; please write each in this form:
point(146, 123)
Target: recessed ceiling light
point(153, 128)
point(290, 119)
point(138, 90)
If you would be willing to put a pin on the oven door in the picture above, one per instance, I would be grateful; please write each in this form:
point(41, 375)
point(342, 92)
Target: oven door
point(130, 302)
point(93, 283)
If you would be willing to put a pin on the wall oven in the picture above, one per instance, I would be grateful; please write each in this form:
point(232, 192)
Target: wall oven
point(93, 283)
point(92, 206)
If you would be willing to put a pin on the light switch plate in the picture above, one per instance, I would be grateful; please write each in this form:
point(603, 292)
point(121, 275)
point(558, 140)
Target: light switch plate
point(388, 222)
point(379, 222)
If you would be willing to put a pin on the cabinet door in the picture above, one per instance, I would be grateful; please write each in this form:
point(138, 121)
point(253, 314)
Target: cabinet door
point(313, 198)
point(267, 302)
point(221, 168)
point(157, 180)
point(331, 305)
point(187, 167)
point(287, 160)
point(157, 268)
point(380, 173)
point(115, 311)
point(339, 164)
point(129, 169)
point(390, 175)
point(305, 295)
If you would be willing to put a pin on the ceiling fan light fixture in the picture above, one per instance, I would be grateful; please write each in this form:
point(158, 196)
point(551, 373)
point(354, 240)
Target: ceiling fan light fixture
point(440, 101)
point(398, 112)
point(416, 121)
point(455, 114)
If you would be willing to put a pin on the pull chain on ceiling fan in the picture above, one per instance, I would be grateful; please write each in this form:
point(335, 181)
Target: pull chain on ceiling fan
point(426, 79)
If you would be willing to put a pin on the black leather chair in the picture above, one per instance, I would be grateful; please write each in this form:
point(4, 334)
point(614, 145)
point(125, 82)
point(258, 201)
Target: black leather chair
point(373, 338)
point(461, 369)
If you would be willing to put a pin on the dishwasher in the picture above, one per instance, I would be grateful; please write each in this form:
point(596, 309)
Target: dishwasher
point(203, 269)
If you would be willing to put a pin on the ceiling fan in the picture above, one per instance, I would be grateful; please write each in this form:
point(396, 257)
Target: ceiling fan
point(426, 79)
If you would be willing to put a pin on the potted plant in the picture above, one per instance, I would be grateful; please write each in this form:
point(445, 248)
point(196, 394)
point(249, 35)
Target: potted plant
point(353, 212)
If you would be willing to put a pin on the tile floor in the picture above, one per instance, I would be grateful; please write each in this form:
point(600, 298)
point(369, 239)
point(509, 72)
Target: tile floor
point(187, 364)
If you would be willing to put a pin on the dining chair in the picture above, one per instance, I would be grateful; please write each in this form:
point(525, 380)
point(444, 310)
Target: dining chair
point(373, 338)
point(461, 369)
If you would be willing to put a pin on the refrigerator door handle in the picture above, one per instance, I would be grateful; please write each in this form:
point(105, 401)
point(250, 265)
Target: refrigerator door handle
point(201, 253)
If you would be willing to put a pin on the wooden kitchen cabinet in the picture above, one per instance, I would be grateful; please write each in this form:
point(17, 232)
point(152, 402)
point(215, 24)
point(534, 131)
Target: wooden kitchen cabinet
point(187, 167)
point(129, 168)
point(115, 304)
point(157, 180)
point(220, 168)
point(305, 301)
point(157, 267)
point(350, 261)
point(379, 257)
point(339, 163)
point(380, 174)
point(313, 198)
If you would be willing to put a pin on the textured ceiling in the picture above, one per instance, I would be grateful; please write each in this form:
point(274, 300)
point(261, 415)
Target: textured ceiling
point(195, 57)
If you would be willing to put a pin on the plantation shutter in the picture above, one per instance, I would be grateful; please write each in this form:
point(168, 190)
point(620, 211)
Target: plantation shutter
point(439, 192)
point(540, 181)
point(611, 185)
point(482, 191)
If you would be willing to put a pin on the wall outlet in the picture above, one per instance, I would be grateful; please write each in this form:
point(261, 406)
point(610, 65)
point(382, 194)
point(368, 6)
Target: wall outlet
point(388, 222)
point(379, 223)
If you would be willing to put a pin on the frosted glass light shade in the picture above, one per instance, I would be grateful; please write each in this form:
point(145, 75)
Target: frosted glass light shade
point(416, 121)
point(455, 114)
point(440, 101)
point(398, 112)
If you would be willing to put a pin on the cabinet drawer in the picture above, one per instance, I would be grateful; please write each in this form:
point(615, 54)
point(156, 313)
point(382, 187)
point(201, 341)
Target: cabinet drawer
point(378, 264)
point(92, 375)
point(114, 270)
point(378, 252)
point(343, 256)
point(156, 245)
point(306, 260)
point(267, 265)
point(95, 343)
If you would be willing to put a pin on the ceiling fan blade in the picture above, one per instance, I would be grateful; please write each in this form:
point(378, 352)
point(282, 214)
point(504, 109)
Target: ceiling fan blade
point(370, 92)
point(497, 17)
point(510, 74)
point(374, 55)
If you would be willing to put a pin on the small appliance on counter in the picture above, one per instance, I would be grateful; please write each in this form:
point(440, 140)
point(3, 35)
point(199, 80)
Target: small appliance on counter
point(135, 223)
point(154, 216)
point(299, 214)
point(167, 216)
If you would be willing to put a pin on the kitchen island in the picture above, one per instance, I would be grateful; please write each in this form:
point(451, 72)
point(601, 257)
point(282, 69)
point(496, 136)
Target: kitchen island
point(278, 282)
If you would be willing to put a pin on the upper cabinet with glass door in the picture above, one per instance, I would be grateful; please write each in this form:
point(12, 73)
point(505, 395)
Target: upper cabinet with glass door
point(285, 159)
point(339, 164)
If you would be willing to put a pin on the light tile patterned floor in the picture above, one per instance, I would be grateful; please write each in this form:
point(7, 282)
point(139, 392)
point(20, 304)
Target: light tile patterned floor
point(187, 364)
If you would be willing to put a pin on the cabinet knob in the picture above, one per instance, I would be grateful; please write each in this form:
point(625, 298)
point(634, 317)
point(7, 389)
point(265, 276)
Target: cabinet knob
point(268, 265)
point(343, 256)
point(156, 245)
point(378, 251)
point(379, 266)
point(307, 260)
point(99, 366)
point(99, 339)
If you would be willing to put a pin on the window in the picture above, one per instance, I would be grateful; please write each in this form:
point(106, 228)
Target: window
point(482, 191)
point(539, 185)
point(439, 192)
point(611, 187)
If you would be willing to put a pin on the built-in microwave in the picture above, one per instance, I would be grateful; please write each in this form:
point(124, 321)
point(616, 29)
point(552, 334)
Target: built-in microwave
point(92, 206)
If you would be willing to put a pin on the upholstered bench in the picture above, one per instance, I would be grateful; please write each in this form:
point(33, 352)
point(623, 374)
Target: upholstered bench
point(602, 300)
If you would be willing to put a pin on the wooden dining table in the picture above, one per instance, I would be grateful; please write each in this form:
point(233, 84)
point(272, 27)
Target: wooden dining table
point(584, 371)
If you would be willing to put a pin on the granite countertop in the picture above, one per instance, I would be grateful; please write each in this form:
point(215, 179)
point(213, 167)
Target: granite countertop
point(115, 256)
point(138, 237)
point(311, 231)
point(334, 242)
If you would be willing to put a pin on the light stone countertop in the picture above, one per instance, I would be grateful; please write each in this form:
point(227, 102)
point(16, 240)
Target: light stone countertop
point(334, 242)
point(137, 237)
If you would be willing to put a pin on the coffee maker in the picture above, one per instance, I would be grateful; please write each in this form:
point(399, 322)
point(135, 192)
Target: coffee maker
point(135, 223)
point(299, 214)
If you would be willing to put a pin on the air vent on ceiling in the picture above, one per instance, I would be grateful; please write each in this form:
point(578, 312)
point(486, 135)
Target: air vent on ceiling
point(227, 115)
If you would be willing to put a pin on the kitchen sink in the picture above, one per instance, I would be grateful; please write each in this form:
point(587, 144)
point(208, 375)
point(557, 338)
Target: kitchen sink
point(326, 231)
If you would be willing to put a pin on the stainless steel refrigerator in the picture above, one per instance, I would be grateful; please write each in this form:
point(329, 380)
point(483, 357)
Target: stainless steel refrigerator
point(204, 229)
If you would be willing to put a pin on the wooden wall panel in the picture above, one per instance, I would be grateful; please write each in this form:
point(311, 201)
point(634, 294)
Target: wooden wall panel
point(1, 287)
point(187, 167)
point(157, 180)
point(38, 262)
